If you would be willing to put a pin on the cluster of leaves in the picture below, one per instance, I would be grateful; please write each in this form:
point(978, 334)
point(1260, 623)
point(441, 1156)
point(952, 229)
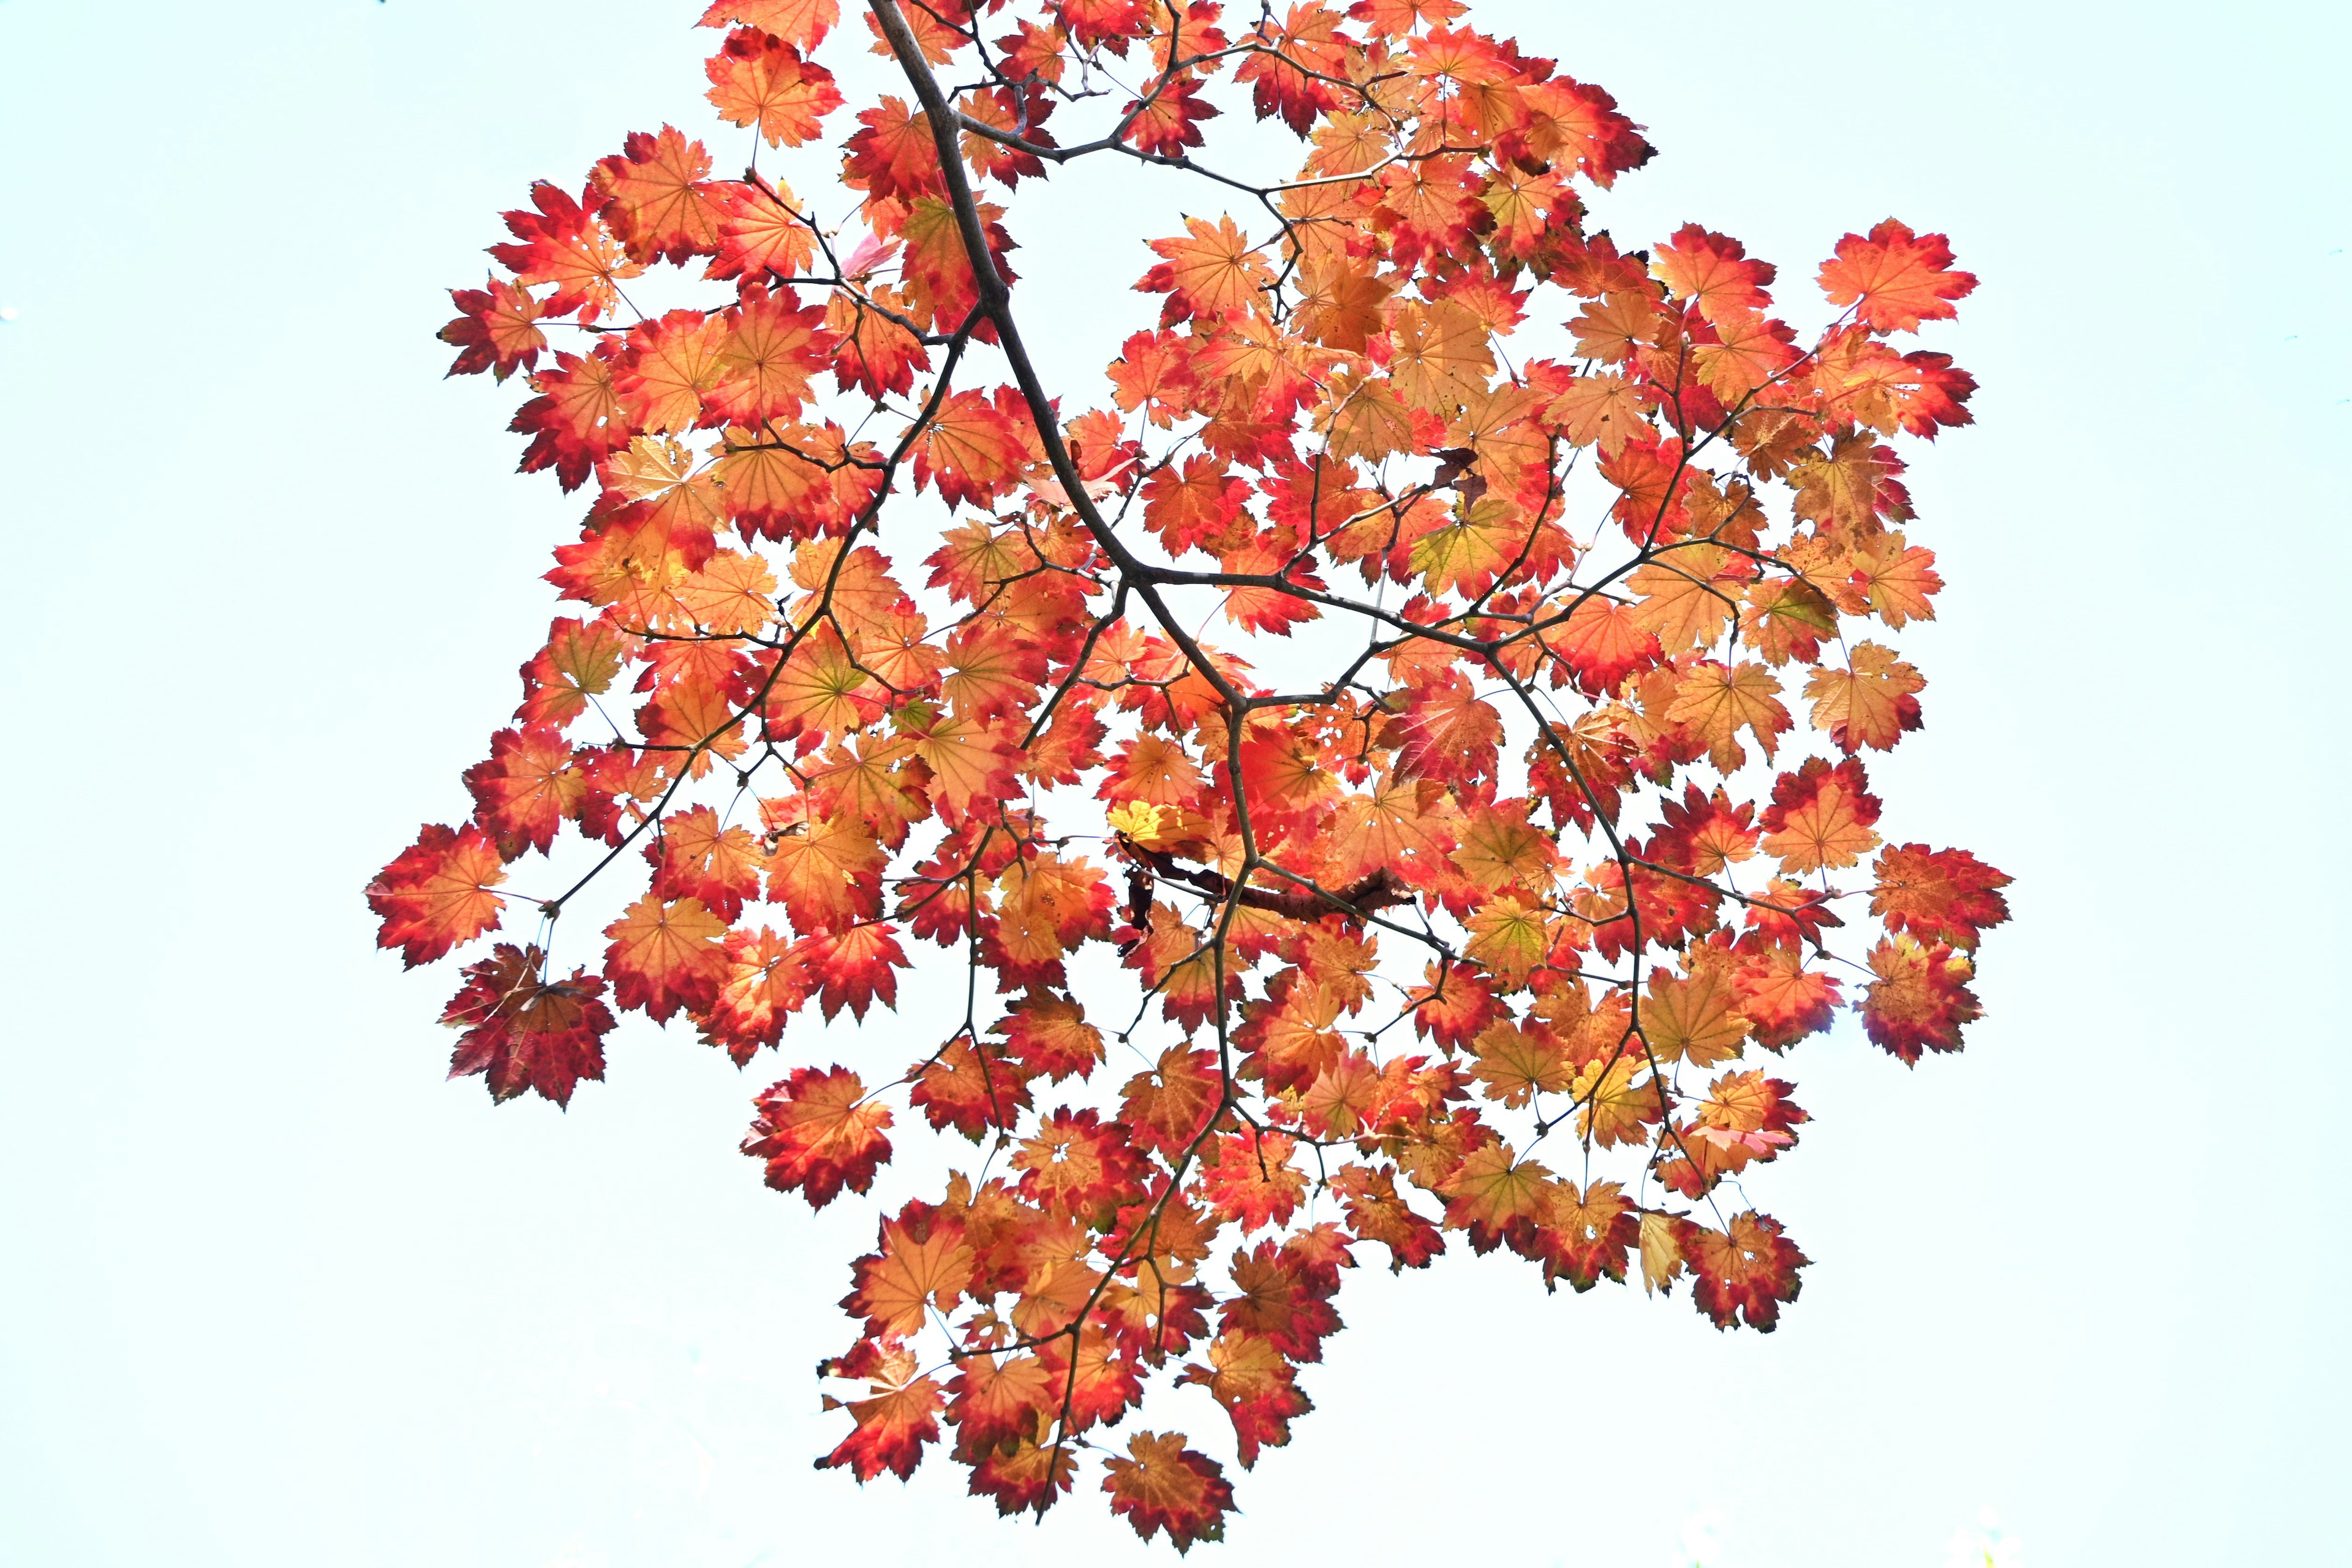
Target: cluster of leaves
point(1553, 848)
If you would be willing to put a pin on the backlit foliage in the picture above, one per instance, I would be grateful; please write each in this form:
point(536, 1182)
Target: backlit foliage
point(1492, 928)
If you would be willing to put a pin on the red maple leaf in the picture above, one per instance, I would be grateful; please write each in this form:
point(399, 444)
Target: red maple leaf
point(1745, 1272)
point(524, 1031)
point(819, 1133)
point(496, 329)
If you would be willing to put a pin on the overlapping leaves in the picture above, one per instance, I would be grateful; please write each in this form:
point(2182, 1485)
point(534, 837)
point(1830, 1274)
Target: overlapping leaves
point(1478, 934)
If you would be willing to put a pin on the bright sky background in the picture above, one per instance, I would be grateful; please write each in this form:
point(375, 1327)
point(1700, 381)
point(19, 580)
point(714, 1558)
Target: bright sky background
point(277, 1297)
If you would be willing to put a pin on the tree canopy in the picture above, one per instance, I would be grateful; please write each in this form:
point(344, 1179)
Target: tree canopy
point(1494, 927)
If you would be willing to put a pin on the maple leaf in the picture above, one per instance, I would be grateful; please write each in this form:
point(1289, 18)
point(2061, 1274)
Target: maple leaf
point(766, 357)
point(1618, 1100)
point(768, 981)
point(1453, 1007)
point(1896, 579)
point(1101, 1381)
point(1429, 206)
point(1154, 771)
point(1938, 895)
point(496, 329)
point(970, 760)
point(1712, 272)
point(894, 1424)
point(819, 1133)
point(989, 673)
point(1895, 278)
point(1163, 1485)
point(859, 966)
point(971, 449)
point(1919, 1000)
point(1868, 703)
point(526, 788)
point(997, 1402)
point(1745, 1272)
point(820, 691)
point(1076, 1166)
point(1704, 834)
point(574, 421)
point(1250, 1377)
point(1340, 301)
point(1439, 355)
point(577, 665)
point(436, 893)
point(1170, 120)
point(1719, 700)
point(1515, 1065)
point(1783, 1001)
point(1601, 410)
point(1465, 557)
point(1446, 731)
point(657, 200)
point(673, 361)
point(938, 275)
point(1748, 351)
point(1853, 487)
point(1212, 271)
point(1695, 1017)
point(1786, 618)
point(1376, 1212)
point(893, 154)
point(1510, 936)
point(1688, 595)
point(1820, 817)
point(826, 874)
point(1663, 1238)
point(762, 233)
point(1050, 1036)
point(1283, 1292)
point(1194, 507)
point(562, 242)
point(757, 78)
point(924, 1265)
point(665, 954)
point(1611, 327)
point(523, 1031)
point(1012, 114)
point(1166, 1106)
point(1496, 1197)
point(700, 858)
point(1248, 1175)
point(1305, 41)
point(1602, 643)
point(1396, 18)
point(972, 1087)
point(1587, 1234)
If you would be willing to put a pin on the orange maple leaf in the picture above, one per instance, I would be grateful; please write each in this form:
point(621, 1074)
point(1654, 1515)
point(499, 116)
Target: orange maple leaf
point(757, 79)
point(1163, 1485)
point(436, 894)
point(1212, 271)
point(1895, 278)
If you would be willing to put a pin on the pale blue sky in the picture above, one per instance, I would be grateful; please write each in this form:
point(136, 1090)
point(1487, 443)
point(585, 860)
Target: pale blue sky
point(278, 1295)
